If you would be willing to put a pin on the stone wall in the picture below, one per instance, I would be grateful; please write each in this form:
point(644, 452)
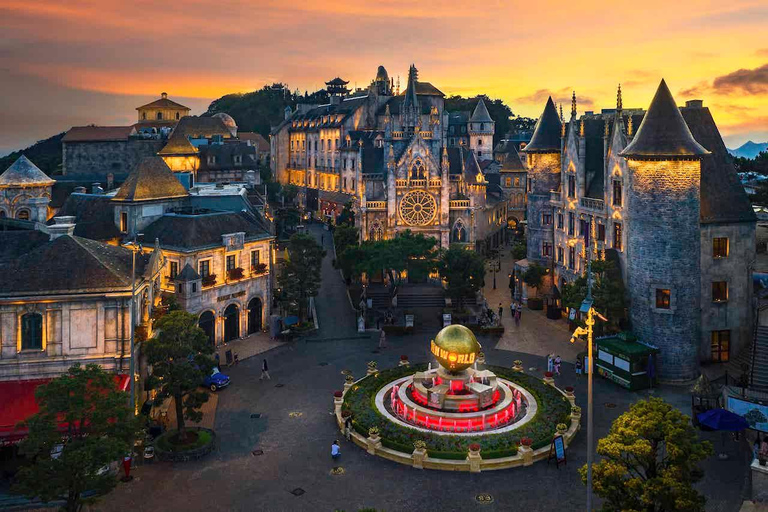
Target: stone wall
point(102, 158)
point(736, 269)
point(543, 176)
point(663, 203)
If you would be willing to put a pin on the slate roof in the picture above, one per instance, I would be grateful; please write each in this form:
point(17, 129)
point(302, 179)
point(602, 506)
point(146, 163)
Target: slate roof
point(187, 274)
point(427, 89)
point(98, 133)
point(23, 172)
point(481, 115)
point(373, 157)
point(201, 127)
point(163, 103)
point(256, 139)
point(70, 264)
point(192, 231)
point(546, 134)
point(225, 155)
point(457, 157)
point(94, 216)
point(510, 158)
point(151, 179)
point(178, 144)
point(14, 244)
point(663, 132)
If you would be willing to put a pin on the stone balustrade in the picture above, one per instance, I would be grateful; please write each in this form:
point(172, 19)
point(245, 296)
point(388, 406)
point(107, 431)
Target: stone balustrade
point(376, 205)
point(459, 204)
point(592, 204)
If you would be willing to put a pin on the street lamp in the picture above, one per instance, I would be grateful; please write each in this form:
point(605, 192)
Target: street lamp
point(586, 308)
point(495, 267)
point(135, 246)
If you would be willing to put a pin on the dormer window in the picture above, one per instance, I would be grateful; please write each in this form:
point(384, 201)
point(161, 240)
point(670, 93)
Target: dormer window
point(211, 159)
point(238, 159)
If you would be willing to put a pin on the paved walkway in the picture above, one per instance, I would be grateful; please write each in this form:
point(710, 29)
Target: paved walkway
point(249, 346)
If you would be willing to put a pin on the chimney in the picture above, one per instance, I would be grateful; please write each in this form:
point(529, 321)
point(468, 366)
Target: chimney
point(63, 226)
point(250, 178)
point(694, 104)
point(96, 189)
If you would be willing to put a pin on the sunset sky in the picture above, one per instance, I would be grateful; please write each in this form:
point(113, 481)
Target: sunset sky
point(80, 62)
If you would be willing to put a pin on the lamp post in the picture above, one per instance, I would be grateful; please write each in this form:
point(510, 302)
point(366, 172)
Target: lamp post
point(135, 245)
point(586, 307)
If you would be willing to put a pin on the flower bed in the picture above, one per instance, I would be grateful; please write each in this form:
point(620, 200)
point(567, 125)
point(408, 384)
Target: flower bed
point(553, 408)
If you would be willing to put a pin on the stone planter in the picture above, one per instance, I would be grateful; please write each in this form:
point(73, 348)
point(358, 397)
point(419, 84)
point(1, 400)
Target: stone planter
point(549, 381)
point(518, 366)
point(526, 452)
point(338, 400)
point(374, 443)
point(404, 362)
point(576, 416)
point(187, 455)
point(349, 381)
point(474, 459)
point(372, 368)
point(419, 454)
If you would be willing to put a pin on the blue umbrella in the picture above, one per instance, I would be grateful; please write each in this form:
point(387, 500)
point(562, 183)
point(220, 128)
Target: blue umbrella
point(720, 419)
point(290, 320)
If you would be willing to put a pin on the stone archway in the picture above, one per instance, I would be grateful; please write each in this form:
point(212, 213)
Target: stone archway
point(207, 323)
point(254, 315)
point(231, 323)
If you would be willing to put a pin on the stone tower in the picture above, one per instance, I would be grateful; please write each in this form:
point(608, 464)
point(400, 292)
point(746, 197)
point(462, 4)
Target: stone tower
point(481, 129)
point(543, 155)
point(662, 214)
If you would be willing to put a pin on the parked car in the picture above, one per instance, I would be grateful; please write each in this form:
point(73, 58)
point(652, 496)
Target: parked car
point(216, 380)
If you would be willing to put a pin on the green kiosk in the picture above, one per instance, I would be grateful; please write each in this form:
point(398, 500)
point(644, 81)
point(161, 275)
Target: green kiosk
point(626, 361)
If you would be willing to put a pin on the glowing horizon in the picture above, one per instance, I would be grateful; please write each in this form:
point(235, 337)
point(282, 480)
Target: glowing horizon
point(94, 62)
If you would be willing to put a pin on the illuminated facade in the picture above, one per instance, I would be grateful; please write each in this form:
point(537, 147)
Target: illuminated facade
point(656, 193)
point(391, 155)
point(25, 192)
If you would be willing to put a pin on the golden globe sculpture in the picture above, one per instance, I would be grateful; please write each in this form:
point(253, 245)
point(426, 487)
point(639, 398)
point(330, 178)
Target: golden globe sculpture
point(455, 348)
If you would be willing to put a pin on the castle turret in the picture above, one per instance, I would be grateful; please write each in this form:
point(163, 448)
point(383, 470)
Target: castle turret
point(543, 156)
point(481, 130)
point(663, 206)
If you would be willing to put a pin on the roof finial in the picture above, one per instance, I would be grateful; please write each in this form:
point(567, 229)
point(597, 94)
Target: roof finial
point(581, 128)
point(629, 126)
point(562, 119)
point(573, 105)
point(618, 100)
point(607, 130)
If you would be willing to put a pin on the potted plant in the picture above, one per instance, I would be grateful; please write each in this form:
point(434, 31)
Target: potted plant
point(349, 379)
point(209, 280)
point(261, 268)
point(517, 365)
point(404, 360)
point(562, 428)
point(419, 445)
point(474, 448)
point(346, 413)
point(569, 391)
point(526, 441)
point(235, 274)
point(338, 394)
point(373, 432)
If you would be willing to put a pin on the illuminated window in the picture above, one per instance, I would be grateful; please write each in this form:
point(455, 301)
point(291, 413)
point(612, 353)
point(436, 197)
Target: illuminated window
point(560, 254)
point(616, 193)
point(32, 331)
point(571, 258)
point(174, 269)
point(255, 259)
point(719, 247)
point(546, 249)
point(508, 182)
point(617, 236)
point(719, 291)
point(721, 346)
point(517, 182)
point(571, 186)
point(205, 268)
point(23, 215)
point(123, 222)
point(663, 296)
point(546, 219)
point(230, 262)
point(571, 223)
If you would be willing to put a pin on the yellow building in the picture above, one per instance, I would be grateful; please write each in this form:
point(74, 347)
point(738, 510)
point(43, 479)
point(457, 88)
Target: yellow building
point(162, 109)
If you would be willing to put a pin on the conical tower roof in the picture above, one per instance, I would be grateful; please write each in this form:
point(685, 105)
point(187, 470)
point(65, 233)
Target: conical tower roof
point(24, 172)
point(151, 179)
point(663, 132)
point(481, 115)
point(546, 135)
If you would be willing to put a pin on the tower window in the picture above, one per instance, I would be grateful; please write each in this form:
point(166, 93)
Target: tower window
point(546, 219)
point(719, 291)
point(517, 182)
point(571, 186)
point(123, 222)
point(721, 345)
point(479, 142)
point(616, 193)
point(663, 298)
point(720, 247)
point(32, 331)
point(508, 182)
point(617, 236)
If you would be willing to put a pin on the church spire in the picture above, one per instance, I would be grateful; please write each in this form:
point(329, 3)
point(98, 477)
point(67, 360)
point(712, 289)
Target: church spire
point(573, 104)
point(411, 111)
point(618, 101)
point(562, 119)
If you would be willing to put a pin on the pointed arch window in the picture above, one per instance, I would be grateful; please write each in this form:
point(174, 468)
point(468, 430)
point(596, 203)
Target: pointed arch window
point(459, 233)
point(376, 233)
point(417, 171)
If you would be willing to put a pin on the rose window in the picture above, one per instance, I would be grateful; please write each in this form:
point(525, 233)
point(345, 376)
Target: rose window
point(417, 208)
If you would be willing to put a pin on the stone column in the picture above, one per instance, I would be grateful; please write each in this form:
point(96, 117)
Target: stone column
point(474, 459)
point(527, 453)
point(374, 443)
point(419, 454)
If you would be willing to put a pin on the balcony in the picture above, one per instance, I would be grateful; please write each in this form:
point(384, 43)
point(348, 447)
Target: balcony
point(554, 197)
point(592, 204)
point(376, 205)
point(459, 204)
point(431, 183)
point(209, 280)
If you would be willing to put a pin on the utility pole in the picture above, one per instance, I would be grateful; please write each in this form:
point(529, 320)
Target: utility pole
point(132, 368)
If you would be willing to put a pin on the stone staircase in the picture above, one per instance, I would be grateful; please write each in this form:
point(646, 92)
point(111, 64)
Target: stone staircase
point(420, 296)
point(380, 297)
point(755, 356)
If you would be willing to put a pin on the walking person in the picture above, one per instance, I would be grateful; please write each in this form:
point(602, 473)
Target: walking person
point(335, 450)
point(501, 311)
point(265, 371)
point(383, 339)
point(578, 366)
point(558, 361)
point(519, 311)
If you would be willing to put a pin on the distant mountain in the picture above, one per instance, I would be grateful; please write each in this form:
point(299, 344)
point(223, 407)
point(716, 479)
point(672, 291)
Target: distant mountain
point(749, 149)
point(46, 154)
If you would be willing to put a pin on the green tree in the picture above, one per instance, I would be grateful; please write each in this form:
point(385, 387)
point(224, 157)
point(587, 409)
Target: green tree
point(607, 291)
point(519, 249)
point(534, 276)
point(463, 271)
point(347, 216)
point(650, 461)
point(287, 219)
point(290, 192)
point(299, 276)
point(83, 412)
point(414, 253)
point(345, 240)
point(180, 355)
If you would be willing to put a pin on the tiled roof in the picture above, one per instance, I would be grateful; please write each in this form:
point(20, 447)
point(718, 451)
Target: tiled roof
point(163, 103)
point(94, 216)
point(546, 135)
point(24, 172)
point(510, 158)
point(255, 138)
point(481, 115)
point(14, 244)
point(178, 144)
point(201, 127)
point(69, 264)
point(98, 133)
point(427, 89)
point(663, 132)
point(151, 179)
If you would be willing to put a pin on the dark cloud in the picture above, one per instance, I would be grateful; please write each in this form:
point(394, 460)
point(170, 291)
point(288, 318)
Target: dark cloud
point(751, 81)
point(700, 89)
point(560, 96)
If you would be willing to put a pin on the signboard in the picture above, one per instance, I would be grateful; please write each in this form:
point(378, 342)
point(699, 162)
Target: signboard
point(755, 414)
point(443, 354)
point(409, 320)
point(446, 319)
point(572, 314)
point(557, 451)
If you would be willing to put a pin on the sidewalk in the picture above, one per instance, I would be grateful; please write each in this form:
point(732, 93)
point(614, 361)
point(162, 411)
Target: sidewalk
point(249, 346)
point(536, 334)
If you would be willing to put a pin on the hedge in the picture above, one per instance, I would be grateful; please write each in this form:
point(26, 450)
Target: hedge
point(553, 408)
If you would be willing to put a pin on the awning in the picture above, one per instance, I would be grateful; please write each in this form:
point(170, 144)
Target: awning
point(17, 403)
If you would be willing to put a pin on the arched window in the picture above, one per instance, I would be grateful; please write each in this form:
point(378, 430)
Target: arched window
point(159, 116)
point(144, 116)
point(2, 214)
point(22, 215)
point(417, 171)
point(32, 331)
point(459, 234)
point(177, 116)
point(376, 233)
point(479, 142)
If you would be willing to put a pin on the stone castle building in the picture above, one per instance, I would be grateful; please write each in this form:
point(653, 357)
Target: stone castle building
point(25, 192)
point(657, 193)
point(399, 158)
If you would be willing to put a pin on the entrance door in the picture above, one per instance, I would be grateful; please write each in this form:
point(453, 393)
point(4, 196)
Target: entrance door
point(254, 315)
point(231, 323)
point(208, 324)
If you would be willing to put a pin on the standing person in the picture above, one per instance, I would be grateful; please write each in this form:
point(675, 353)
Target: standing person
point(558, 361)
point(519, 311)
point(218, 361)
point(578, 366)
point(265, 371)
point(501, 311)
point(335, 450)
point(383, 339)
point(348, 427)
point(550, 362)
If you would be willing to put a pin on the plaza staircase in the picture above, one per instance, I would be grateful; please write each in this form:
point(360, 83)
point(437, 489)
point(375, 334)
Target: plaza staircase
point(755, 357)
point(420, 296)
point(379, 296)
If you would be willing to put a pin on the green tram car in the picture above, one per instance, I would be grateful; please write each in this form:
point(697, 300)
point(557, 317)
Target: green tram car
point(626, 361)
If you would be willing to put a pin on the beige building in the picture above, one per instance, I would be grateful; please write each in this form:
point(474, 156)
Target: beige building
point(162, 109)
